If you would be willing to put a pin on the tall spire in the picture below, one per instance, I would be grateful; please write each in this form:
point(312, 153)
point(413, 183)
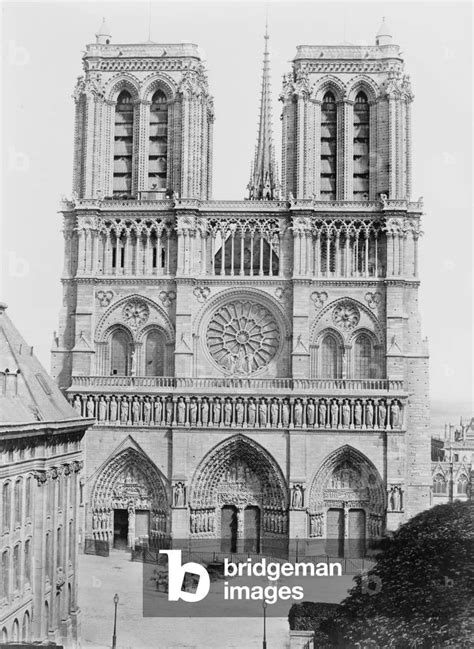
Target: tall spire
point(263, 184)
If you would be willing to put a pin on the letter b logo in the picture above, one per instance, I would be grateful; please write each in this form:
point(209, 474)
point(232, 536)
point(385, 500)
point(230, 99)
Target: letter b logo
point(176, 574)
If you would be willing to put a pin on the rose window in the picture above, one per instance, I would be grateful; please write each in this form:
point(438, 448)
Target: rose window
point(346, 316)
point(243, 337)
point(135, 313)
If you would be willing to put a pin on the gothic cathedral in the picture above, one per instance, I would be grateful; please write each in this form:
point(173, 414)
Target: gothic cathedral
point(255, 368)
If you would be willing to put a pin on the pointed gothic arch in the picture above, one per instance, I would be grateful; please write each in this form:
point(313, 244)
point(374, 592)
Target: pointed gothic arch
point(129, 481)
point(239, 473)
point(347, 501)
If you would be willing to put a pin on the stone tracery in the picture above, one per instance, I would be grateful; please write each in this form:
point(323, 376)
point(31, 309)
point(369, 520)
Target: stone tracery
point(243, 336)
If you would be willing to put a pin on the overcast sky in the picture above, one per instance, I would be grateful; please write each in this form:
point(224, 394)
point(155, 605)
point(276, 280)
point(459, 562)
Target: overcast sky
point(43, 44)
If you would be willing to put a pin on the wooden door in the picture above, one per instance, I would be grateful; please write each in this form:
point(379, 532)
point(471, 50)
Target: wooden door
point(252, 529)
point(335, 533)
point(142, 523)
point(229, 528)
point(356, 546)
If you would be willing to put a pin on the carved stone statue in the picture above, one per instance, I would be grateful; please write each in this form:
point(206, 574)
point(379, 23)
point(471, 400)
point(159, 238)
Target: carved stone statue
point(147, 412)
point(205, 412)
point(158, 411)
point(285, 413)
point(102, 409)
point(395, 499)
point(369, 415)
point(113, 409)
point(252, 412)
point(228, 412)
point(133, 363)
point(193, 412)
point(239, 412)
point(334, 414)
point(124, 409)
point(395, 414)
point(322, 413)
point(181, 411)
point(358, 414)
point(135, 411)
point(382, 414)
point(274, 412)
point(297, 497)
point(346, 414)
point(216, 412)
point(179, 500)
point(262, 412)
point(169, 412)
point(298, 413)
point(78, 405)
point(310, 413)
point(90, 407)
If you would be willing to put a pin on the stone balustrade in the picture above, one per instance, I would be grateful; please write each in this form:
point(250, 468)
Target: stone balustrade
point(242, 411)
point(240, 384)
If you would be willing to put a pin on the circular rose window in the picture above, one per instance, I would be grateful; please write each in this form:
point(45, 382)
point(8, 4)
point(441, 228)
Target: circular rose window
point(242, 336)
point(346, 315)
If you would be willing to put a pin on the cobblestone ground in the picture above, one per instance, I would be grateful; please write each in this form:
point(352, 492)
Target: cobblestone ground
point(101, 578)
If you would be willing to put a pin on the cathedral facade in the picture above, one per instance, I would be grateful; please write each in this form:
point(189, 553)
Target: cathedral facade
point(255, 368)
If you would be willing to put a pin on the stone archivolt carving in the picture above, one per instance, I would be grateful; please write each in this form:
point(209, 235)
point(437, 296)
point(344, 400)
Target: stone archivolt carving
point(135, 313)
point(240, 473)
point(243, 336)
point(346, 315)
point(346, 479)
point(128, 481)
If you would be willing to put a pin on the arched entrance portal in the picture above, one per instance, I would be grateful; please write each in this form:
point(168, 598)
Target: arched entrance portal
point(129, 502)
point(239, 499)
point(346, 504)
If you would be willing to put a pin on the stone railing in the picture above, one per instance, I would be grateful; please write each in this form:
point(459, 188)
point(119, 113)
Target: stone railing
point(159, 383)
point(242, 411)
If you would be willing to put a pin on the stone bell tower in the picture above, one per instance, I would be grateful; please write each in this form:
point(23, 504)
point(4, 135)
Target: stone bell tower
point(143, 121)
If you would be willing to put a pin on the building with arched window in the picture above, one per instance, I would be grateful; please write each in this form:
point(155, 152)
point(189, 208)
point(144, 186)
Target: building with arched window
point(255, 368)
point(40, 464)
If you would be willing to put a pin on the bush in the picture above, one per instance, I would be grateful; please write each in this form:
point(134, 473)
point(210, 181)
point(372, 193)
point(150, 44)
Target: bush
point(420, 592)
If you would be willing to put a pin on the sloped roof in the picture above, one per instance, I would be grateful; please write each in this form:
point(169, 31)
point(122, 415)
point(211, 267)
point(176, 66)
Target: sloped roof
point(27, 393)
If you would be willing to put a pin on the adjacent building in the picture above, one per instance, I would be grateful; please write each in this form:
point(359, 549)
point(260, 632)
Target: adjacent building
point(452, 463)
point(255, 368)
point(40, 468)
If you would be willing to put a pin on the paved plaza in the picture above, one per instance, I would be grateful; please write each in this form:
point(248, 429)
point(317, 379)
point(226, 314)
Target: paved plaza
point(100, 578)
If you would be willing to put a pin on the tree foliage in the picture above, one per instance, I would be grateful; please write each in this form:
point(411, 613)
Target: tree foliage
point(420, 593)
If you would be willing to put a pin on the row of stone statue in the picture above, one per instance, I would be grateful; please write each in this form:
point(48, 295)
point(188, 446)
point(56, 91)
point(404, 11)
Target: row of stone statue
point(375, 526)
point(202, 521)
point(316, 525)
point(240, 411)
point(275, 522)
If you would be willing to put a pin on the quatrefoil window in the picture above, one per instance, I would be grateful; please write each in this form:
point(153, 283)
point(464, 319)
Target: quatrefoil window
point(243, 337)
point(346, 316)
